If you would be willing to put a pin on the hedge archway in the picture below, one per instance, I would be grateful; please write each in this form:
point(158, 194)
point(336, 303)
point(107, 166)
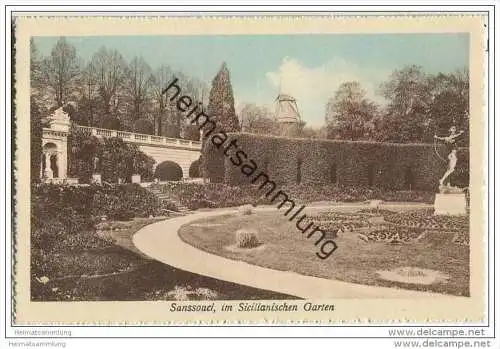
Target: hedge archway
point(168, 171)
point(194, 169)
point(408, 179)
point(299, 171)
point(370, 174)
point(333, 173)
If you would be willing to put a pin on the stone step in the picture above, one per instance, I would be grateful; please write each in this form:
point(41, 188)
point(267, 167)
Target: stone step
point(164, 197)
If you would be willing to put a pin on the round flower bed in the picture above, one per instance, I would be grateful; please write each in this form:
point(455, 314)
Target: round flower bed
point(412, 275)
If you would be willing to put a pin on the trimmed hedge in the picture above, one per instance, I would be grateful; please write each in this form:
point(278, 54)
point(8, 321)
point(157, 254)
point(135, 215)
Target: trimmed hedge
point(144, 126)
point(168, 171)
point(214, 195)
point(289, 161)
point(194, 170)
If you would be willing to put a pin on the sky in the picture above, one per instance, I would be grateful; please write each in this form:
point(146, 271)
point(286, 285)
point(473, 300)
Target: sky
point(308, 67)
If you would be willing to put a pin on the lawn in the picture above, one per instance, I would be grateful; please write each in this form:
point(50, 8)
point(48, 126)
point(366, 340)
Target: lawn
point(112, 268)
point(356, 260)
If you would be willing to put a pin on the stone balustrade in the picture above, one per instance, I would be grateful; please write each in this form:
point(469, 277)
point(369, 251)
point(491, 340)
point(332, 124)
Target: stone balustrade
point(140, 138)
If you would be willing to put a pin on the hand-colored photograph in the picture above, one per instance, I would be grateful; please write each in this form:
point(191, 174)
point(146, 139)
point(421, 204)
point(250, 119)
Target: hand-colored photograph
point(344, 159)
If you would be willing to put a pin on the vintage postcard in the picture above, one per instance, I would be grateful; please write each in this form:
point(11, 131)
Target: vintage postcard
point(250, 169)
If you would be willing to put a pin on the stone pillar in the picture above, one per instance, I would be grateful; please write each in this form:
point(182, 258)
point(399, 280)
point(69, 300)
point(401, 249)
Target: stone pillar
point(63, 158)
point(57, 133)
point(41, 165)
point(185, 170)
point(136, 178)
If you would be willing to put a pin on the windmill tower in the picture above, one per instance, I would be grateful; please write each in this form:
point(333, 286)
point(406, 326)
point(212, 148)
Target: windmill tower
point(287, 115)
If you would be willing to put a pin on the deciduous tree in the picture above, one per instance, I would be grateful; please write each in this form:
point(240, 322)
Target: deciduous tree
point(160, 78)
point(257, 119)
point(137, 87)
point(406, 115)
point(349, 112)
point(60, 70)
point(110, 74)
point(36, 140)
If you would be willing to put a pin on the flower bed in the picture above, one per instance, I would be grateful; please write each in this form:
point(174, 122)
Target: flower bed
point(213, 195)
point(392, 235)
point(362, 253)
point(426, 219)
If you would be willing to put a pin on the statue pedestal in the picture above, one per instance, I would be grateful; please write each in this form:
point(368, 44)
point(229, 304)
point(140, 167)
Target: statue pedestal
point(136, 178)
point(48, 174)
point(450, 204)
point(96, 178)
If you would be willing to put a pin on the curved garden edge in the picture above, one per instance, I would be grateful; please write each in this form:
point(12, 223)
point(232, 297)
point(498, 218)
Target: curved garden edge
point(161, 241)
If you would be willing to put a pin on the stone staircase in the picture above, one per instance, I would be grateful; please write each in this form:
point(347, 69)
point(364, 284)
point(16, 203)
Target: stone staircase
point(165, 197)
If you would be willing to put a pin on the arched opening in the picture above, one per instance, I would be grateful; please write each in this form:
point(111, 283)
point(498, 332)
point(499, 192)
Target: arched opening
point(194, 169)
point(408, 178)
point(50, 147)
point(299, 171)
point(333, 173)
point(370, 175)
point(168, 171)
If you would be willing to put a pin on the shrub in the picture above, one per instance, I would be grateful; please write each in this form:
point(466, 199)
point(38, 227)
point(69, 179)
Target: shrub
point(111, 122)
point(115, 158)
point(168, 171)
point(123, 202)
point(144, 126)
point(196, 195)
point(77, 207)
point(246, 210)
point(194, 169)
point(247, 238)
point(170, 205)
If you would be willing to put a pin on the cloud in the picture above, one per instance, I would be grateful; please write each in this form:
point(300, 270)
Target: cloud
point(313, 86)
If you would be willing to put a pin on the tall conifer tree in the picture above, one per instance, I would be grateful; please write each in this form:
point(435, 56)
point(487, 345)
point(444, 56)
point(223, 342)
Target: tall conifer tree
point(221, 110)
point(221, 102)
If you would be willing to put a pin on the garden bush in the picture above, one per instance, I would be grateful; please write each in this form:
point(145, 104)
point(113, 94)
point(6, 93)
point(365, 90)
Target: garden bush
point(246, 210)
point(112, 123)
point(247, 238)
point(168, 171)
point(64, 239)
point(78, 206)
point(194, 169)
point(115, 158)
point(213, 195)
point(144, 126)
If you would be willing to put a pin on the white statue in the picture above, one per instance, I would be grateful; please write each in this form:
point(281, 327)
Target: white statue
point(452, 149)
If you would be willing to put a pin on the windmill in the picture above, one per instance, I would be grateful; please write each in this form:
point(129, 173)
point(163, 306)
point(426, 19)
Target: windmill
point(287, 115)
